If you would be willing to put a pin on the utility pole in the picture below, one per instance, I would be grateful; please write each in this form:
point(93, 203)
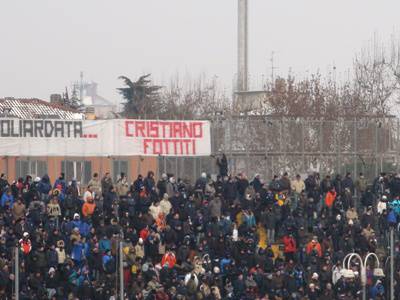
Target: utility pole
point(81, 87)
point(272, 68)
point(242, 72)
point(391, 263)
point(121, 271)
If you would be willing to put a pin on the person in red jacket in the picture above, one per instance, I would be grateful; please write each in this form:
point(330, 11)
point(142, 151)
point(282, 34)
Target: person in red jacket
point(330, 198)
point(25, 244)
point(168, 260)
point(314, 248)
point(290, 247)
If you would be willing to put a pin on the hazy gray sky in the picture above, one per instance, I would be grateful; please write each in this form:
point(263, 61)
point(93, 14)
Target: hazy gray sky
point(45, 44)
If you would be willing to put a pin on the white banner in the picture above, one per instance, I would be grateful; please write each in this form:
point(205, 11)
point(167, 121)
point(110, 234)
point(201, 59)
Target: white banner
point(104, 138)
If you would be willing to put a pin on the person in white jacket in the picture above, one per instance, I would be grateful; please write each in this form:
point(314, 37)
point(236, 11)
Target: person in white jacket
point(382, 205)
point(165, 205)
point(155, 210)
point(235, 233)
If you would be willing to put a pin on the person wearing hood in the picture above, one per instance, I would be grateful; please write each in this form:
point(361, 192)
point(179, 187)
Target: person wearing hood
point(44, 187)
point(137, 185)
point(83, 227)
point(61, 181)
point(149, 183)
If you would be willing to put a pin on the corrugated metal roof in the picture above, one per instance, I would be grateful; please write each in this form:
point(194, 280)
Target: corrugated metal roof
point(36, 109)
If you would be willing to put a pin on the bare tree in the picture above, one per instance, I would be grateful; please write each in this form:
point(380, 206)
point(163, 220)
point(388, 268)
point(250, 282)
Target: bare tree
point(192, 99)
point(377, 76)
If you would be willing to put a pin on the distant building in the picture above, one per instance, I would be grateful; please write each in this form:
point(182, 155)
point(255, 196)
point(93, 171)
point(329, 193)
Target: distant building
point(80, 168)
point(34, 108)
point(96, 104)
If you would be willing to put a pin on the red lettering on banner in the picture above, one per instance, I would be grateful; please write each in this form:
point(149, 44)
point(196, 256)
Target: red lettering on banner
point(187, 129)
point(146, 145)
point(181, 147)
point(166, 142)
point(158, 143)
point(186, 142)
point(152, 129)
point(127, 127)
point(169, 146)
point(174, 142)
point(197, 129)
point(175, 130)
point(163, 124)
point(139, 129)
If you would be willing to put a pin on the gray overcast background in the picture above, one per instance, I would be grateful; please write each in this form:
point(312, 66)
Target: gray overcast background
point(45, 44)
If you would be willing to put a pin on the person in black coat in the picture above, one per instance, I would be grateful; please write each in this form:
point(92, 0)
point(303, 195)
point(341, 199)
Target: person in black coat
point(222, 163)
point(239, 287)
point(394, 186)
point(109, 198)
point(256, 183)
point(326, 184)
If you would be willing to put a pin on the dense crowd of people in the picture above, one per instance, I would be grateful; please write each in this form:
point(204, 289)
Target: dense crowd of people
point(227, 238)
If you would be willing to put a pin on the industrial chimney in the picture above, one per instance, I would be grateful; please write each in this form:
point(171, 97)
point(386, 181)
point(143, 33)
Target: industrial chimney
point(242, 72)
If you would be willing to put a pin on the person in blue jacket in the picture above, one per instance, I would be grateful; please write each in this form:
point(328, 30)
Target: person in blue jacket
point(61, 181)
point(7, 198)
point(84, 228)
point(44, 187)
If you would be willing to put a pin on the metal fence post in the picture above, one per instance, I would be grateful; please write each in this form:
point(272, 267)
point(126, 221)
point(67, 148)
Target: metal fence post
point(16, 273)
point(302, 146)
point(376, 149)
point(121, 271)
point(391, 263)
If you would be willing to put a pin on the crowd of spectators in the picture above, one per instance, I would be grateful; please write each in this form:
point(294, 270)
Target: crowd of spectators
point(222, 237)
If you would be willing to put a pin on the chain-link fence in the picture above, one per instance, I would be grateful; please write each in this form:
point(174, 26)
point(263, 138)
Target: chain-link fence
point(270, 145)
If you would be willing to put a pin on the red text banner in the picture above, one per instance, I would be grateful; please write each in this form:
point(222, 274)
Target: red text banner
point(169, 138)
point(104, 137)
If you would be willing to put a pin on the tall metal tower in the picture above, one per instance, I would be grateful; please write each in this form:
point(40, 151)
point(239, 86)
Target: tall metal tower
point(242, 72)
